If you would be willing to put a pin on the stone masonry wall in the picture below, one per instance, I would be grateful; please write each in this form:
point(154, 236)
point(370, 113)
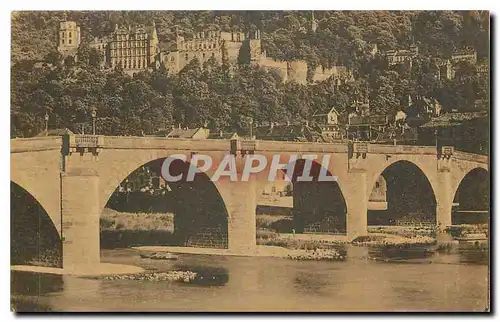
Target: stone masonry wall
point(209, 237)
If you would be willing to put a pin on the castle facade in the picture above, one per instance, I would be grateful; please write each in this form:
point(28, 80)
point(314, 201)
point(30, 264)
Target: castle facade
point(131, 48)
point(138, 48)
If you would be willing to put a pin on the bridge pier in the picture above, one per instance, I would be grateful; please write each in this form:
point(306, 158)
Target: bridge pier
point(80, 219)
point(357, 205)
point(444, 200)
point(241, 202)
point(445, 193)
point(356, 194)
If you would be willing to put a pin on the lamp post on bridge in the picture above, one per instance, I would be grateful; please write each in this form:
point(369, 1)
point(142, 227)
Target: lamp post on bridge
point(46, 124)
point(94, 115)
point(251, 128)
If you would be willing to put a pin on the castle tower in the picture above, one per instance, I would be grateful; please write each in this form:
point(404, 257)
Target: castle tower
point(153, 44)
point(69, 38)
point(255, 47)
point(314, 24)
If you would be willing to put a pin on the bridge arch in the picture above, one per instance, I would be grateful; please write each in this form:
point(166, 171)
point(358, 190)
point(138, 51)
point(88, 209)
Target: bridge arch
point(45, 192)
point(471, 197)
point(34, 237)
point(464, 171)
point(317, 206)
point(426, 168)
point(410, 194)
point(201, 218)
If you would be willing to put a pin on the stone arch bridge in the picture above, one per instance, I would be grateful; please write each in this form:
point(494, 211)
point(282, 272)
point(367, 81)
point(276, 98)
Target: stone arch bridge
point(73, 176)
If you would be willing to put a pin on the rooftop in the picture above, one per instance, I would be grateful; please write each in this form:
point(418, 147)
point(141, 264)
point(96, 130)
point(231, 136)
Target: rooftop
point(293, 132)
point(183, 133)
point(454, 119)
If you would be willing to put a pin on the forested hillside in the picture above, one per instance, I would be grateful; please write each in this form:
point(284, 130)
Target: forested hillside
point(227, 98)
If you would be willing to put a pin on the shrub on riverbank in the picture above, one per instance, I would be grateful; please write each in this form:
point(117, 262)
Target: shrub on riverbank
point(172, 276)
point(279, 223)
point(468, 229)
point(47, 258)
point(114, 220)
point(298, 243)
point(392, 240)
point(318, 254)
point(404, 231)
point(265, 234)
point(119, 229)
point(446, 248)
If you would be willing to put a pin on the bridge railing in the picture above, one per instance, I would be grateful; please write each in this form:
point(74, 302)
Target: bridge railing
point(470, 156)
point(402, 149)
point(86, 141)
point(35, 144)
point(83, 141)
point(244, 146)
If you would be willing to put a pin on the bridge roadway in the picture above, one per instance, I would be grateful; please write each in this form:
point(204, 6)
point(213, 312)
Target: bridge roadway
point(73, 176)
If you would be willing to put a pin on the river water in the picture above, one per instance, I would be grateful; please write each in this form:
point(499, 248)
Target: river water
point(409, 281)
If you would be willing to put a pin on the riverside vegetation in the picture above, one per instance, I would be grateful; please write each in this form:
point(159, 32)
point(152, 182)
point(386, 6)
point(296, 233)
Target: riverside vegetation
point(124, 226)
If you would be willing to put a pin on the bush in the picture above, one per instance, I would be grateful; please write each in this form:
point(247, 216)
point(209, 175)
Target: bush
point(266, 234)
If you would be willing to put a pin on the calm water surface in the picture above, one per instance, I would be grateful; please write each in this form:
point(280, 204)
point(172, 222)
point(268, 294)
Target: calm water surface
point(410, 281)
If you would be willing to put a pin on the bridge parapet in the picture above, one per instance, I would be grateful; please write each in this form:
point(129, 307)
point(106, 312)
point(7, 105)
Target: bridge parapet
point(155, 143)
point(357, 154)
point(35, 144)
point(401, 149)
point(243, 147)
point(86, 141)
point(460, 155)
point(82, 143)
point(446, 152)
point(300, 147)
point(444, 158)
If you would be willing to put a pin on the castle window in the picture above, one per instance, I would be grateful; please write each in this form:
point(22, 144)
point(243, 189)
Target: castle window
point(62, 41)
point(172, 58)
point(134, 64)
point(187, 57)
point(203, 56)
point(69, 41)
point(70, 34)
point(213, 54)
point(377, 185)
